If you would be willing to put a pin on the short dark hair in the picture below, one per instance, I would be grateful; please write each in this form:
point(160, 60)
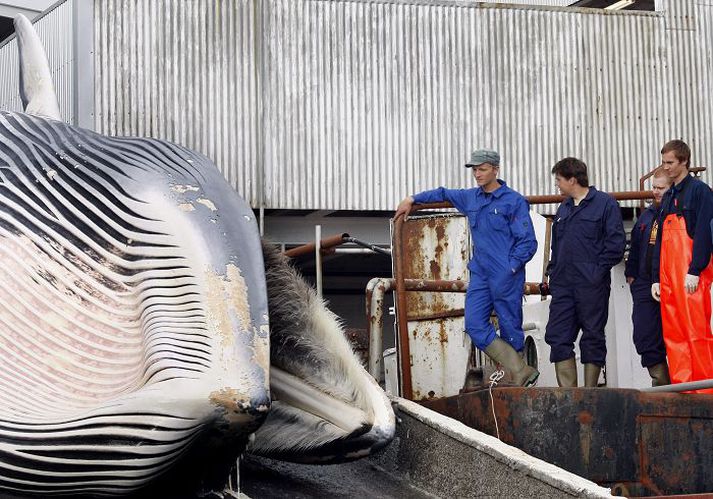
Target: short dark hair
point(572, 167)
point(680, 149)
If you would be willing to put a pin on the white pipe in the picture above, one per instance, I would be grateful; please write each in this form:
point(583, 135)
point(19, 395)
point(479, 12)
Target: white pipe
point(318, 258)
point(355, 251)
point(375, 324)
point(261, 225)
point(681, 387)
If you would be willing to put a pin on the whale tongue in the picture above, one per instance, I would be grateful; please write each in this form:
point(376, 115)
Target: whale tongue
point(36, 88)
point(299, 394)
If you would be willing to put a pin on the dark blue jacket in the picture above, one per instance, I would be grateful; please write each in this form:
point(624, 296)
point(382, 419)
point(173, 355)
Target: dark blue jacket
point(694, 200)
point(638, 265)
point(499, 223)
point(587, 240)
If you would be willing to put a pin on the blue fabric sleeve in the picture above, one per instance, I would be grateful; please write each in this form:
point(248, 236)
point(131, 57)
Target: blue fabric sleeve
point(457, 197)
point(702, 244)
point(614, 235)
point(553, 243)
point(524, 240)
point(632, 261)
point(656, 257)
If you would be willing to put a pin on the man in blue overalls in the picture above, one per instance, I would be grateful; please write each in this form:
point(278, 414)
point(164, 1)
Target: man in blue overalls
point(646, 313)
point(503, 242)
point(587, 241)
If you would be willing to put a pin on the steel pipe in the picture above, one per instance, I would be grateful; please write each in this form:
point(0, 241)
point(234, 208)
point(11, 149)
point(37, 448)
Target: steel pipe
point(403, 350)
point(681, 387)
point(325, 244)
point(619, 196)
point(548, 199)
point(318, 258)
point(372, 247)
point(376, 290)
point(696, 171)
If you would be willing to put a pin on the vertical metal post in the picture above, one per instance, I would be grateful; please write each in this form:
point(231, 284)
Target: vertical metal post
point(318, 257)
point(261, 222)
point(403, 347)
point(375, 294)
point(83, 68)
point(259, 75)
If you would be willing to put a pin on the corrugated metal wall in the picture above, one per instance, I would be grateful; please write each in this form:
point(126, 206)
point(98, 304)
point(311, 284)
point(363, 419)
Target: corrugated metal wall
point(354, 104)
point(550, 3)
point(57, 34)
point(183, 71)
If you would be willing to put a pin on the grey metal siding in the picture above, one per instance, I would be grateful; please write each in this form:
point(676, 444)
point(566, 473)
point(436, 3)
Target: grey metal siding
point(315, 104)
point(549, 3)
point(185, 72)
point(370, 101)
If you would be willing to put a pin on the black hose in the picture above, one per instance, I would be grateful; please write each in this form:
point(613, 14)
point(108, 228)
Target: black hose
point(372, 247)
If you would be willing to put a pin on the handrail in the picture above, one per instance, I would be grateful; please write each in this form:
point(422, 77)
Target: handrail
point(328, 244)
point(325, 244)
point(681, 387)
point(696, 170)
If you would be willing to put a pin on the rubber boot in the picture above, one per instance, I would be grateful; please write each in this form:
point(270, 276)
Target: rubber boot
point(504, 354)
point(473, 381)
point(566, 371)
point(591, 375)
point(659, 374)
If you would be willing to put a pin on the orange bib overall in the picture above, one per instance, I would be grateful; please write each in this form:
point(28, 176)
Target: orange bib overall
point(686, 317)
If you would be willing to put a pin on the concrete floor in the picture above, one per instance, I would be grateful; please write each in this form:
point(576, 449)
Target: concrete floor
point(265, 478)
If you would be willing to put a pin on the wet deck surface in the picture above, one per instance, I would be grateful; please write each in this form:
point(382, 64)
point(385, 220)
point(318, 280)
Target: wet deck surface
point(265, 478)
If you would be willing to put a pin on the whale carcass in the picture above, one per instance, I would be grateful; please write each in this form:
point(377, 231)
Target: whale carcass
point(144, 326)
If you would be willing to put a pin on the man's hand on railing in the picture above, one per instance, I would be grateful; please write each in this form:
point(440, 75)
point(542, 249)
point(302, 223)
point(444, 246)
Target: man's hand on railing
point(404, 208)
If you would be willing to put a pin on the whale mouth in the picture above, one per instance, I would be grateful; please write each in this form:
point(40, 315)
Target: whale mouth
point(303, 396)
point(326, 408)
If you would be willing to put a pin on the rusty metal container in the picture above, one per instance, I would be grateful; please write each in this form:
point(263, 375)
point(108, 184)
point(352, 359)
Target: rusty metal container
point(636, 443)
point(436, 247)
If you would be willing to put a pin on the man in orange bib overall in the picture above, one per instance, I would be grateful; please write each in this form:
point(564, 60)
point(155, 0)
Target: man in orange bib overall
point(681, 268)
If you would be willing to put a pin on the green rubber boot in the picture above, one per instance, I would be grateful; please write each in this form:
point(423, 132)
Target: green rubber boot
point(566, 371)
point(502, 353)
point(659, 374)
point(591, 375)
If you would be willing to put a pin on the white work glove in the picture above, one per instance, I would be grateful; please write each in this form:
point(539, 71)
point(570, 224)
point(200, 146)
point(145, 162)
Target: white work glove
point(691, 283)
point(656, 291)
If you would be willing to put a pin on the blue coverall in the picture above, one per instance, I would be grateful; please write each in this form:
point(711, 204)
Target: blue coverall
point(503, 242)
point(587, 241)
point(646, 314)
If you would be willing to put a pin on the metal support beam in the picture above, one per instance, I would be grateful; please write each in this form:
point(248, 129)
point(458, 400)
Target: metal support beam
point(84, 76)
point(28, 8)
